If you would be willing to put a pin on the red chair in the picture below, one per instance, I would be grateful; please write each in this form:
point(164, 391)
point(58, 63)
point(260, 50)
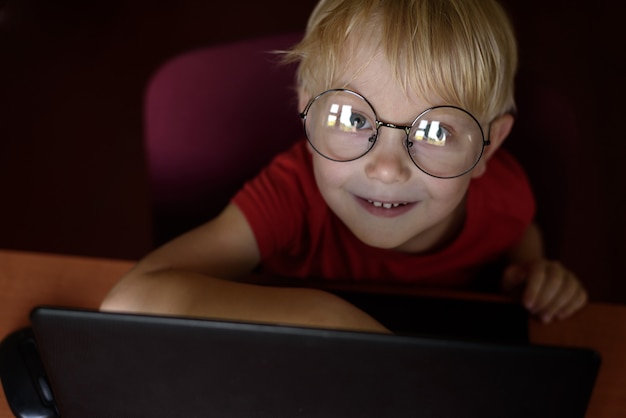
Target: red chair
point(213, 118)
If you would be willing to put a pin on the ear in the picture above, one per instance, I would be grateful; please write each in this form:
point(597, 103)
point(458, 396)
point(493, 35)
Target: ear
point(499, 129)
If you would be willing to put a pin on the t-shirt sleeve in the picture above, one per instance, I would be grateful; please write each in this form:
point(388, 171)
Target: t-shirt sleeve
point(518, 200)
point(501, 202)
point(275, 201)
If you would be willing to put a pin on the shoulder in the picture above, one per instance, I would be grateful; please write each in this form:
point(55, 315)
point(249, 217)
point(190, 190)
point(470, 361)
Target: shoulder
point(500, 207)
point(504, 189)
point(280, 200)
point(289, 171)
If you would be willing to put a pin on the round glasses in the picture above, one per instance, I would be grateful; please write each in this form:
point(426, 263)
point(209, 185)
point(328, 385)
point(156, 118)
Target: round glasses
point(443, 141)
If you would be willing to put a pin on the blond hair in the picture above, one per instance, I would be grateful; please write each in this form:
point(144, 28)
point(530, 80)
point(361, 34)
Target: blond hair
point(464, 51)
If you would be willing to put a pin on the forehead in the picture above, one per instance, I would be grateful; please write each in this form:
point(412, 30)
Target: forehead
point(370, 74)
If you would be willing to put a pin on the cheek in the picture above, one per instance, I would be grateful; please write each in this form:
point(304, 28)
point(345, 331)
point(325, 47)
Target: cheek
point(330, 174)
point(448, 192)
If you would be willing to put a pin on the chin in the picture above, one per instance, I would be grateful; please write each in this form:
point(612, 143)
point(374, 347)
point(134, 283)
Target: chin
point(381, 241)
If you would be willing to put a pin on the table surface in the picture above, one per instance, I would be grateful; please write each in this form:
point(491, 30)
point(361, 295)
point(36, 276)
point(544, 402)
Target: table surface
point(31, 279)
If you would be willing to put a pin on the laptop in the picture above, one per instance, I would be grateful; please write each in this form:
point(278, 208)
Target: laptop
point(80, 363)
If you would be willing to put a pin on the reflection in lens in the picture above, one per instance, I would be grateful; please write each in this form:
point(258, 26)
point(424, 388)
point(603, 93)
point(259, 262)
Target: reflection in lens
point(436, 135)
point(338, 126)
point(346, 119)
point(442, 142)
point(332, 116)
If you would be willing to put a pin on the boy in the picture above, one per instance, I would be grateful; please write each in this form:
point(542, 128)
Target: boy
point(401, 179)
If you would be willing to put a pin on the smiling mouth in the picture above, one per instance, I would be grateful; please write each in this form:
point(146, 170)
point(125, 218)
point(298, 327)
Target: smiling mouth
point(386, 205)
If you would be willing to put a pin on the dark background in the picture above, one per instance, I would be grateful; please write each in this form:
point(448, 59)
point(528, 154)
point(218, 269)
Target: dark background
point(72, 171)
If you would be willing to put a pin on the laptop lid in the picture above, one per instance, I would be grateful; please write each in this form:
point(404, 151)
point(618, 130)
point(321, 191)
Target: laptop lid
point(121, 365)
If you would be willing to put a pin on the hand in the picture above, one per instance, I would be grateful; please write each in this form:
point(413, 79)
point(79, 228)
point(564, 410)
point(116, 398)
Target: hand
point(549, 290)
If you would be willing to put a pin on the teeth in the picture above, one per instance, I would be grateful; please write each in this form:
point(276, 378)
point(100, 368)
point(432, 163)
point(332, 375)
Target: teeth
point(385, 205)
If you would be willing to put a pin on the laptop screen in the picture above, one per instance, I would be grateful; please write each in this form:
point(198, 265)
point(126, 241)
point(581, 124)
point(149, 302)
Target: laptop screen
point(121, 365)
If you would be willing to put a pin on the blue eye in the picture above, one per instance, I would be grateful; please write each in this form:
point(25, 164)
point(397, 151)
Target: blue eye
point(359, 121)
point(351, 121)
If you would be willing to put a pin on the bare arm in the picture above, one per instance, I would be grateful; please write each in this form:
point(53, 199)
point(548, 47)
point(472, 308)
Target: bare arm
point(189, 276)
point(549, 290)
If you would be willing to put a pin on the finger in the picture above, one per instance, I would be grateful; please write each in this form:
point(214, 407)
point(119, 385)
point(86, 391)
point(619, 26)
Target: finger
point(566, 295)
point(579, 300)
point(552, 283)
point(536, 278)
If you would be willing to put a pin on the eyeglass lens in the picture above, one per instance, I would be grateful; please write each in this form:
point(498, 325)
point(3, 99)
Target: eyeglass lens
point(443, 141)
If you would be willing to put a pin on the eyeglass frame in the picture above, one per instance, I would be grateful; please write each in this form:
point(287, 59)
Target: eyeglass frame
point(407, 130)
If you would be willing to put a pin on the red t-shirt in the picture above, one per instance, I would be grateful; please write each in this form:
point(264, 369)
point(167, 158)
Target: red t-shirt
point(300, 237)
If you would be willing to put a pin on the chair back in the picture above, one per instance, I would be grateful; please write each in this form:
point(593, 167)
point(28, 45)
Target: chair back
point(213, 118)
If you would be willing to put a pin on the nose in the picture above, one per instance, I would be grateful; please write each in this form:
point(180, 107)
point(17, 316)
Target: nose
point(388, 161)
